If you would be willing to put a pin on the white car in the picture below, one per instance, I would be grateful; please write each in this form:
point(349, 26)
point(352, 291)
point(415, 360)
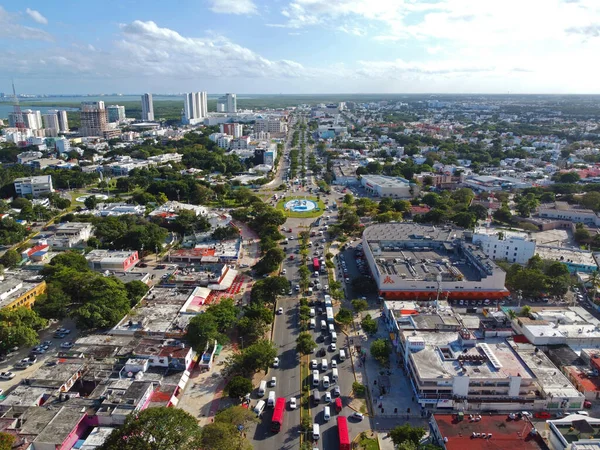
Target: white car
point(333, 347)
point(313, 364)
point(276, 362)
point(333, 363)
point(283, 271)
point(280, 310)
point(6, 375)
point(66, 345)
point(357, 416)
point(293, 403)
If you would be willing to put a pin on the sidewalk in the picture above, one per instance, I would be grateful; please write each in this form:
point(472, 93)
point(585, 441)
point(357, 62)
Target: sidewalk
point(203, 395)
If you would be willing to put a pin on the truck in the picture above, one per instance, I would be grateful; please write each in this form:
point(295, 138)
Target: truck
point(316, 264)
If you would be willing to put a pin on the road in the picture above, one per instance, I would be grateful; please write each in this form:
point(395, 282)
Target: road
point(285, 332)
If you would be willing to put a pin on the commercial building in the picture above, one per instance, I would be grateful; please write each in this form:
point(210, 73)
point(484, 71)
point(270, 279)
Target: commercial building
point(70, 234)
point(505, 245)
point(147, 108)
point(574, 432)
point(227, 103)
point(233, 129)
point(20, 288)
point(195, 107)
point(484, 432)
point(62, 145)
point(411, 261)
point(395, 187)
point(571, 213)
point(112, 260)
point(94, 119)
point(35, 186)
point(116, 113)
point(273, 126)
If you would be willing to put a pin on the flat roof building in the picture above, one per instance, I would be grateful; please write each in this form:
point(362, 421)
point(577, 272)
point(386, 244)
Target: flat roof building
point(382, 186)
point(34, 186)
point(413, 261)
point(112, 259)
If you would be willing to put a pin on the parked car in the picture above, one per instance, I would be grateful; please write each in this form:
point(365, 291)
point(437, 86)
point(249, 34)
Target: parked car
point(358, 416)
point(293, 403)
point(6, 375)
point(276, 362)
point(66, 345)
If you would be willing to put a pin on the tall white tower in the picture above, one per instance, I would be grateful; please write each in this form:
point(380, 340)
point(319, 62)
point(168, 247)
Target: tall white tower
point(147, 108)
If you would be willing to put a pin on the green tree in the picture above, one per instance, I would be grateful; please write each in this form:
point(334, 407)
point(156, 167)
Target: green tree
point(237, 415)
point(381, 350)
point(464, 219)
point(6, 441)
point(10, 259)
point(525, 311)
point(202, 329)
point(407, 433)
point(238, 387)
point(369, 325)
point(19, 327)
point(344, 317)
point(156, 429)
point(305, 344)
point(359, 305)
point(53, 304)
point(223, 436)
point(91, 202)
point(136, 289)
point(106, 303)
point(225, 313)
point(257, 356)
point(359, 389)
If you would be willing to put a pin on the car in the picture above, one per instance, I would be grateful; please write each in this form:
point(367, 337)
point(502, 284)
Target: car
point(59, 335)
point(38, 351)
point(358, 416)
point(6, 375)
point(142, 265)
point(336, 391)
point(526, 414)
point(587, 404)
point(21, 365)
point(542, 415)
point(66, 345)
point(297, 287)
point(333, 347)
point(63, 331)
point(290, 292)
point(291, 257)
point(276, 362)
point(327, 397)
point(48, 343)
point(280, 310)
point(283, 271)
point(333, 364)
point(293, 403)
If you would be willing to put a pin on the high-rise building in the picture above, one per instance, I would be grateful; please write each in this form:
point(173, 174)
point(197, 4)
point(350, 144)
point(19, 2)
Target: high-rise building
point(31, 119)
point(93, 119)
point(233, 129)
point(51, 123)
point(116, 113)
point(195, 107)
point(147, 108)
point(63, 121)
point(227, 103)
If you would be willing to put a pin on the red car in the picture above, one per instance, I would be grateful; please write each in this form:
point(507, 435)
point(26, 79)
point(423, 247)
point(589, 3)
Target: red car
point(587, 404)
point(291, 256)
point(542, 415)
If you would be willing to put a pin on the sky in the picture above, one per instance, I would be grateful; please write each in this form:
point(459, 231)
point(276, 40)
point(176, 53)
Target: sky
point(301, 46)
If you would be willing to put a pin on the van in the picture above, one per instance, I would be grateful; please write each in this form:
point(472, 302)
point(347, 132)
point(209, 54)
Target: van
point(316, 432)
point(312, 323)
point(310, 291)
point(326, 414)
point(324, 364)
point(315, 377)
point(333, 336)
point(271, 399)
point(325, 381)
point(334, 374)
point(316, 396)
point(312, 312)
point(342, 355)
point(331, 328)
point(259, 408)
point(262, 387)
point(323, 325)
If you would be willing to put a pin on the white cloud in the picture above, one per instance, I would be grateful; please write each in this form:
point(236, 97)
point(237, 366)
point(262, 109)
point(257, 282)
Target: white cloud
point(233, 6)
point(11, 29)
point(36, 16)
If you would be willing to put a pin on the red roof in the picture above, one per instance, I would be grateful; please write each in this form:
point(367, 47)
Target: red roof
point(506, 433)
point(520, 339)
point(420, 209)
point(36, 249)
point(583, 381)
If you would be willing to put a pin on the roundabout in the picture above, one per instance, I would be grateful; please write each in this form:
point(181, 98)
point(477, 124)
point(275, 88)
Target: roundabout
point(99, 197)
point(301, 207)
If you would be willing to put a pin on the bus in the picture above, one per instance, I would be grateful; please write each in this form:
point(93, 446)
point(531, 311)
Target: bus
point(316, 264)
point(329, 312)
point(342, 424)
point(277, 420)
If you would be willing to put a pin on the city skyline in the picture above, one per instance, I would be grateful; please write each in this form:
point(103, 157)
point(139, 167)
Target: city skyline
point(302, 46)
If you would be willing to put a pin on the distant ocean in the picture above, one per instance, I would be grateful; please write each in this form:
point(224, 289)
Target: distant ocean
point(6, 105)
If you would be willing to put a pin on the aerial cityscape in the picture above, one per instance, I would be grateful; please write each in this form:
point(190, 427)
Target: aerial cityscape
point(300, 224)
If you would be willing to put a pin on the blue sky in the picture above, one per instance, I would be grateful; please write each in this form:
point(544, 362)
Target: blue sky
point(301, 46)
